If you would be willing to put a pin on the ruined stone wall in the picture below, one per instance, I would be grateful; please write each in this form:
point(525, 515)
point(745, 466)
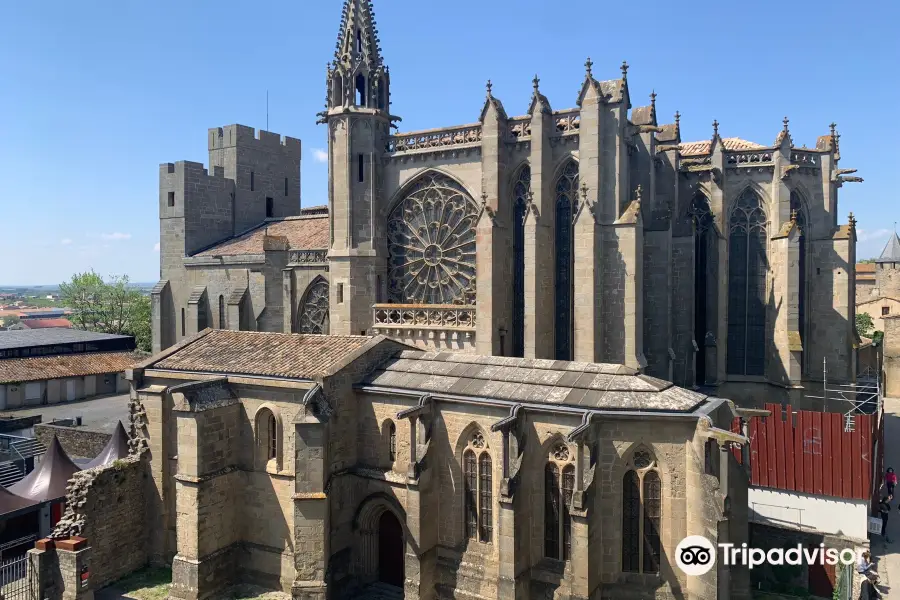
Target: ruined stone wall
point(78, 442)
point(107, 505)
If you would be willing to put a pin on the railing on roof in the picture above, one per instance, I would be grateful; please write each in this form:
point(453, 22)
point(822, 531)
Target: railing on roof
point(751, 158)
point(303, 257)
point(520, 128)
point(424, 316)
point(435, 139)
point(805, 159)
point(567, 122)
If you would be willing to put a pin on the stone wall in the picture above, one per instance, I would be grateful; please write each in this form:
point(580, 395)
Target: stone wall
point(106, 505)
point(78, 442)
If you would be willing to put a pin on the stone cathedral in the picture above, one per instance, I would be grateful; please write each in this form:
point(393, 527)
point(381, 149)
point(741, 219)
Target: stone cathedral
point(453, 381)
point(591, 233)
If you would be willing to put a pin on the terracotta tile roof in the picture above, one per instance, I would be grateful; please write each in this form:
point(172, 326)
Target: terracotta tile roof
point(65, 365)
point(305, 232)
point(46, 323)
point(732, 144)
point(584, 385)
point(288, 355)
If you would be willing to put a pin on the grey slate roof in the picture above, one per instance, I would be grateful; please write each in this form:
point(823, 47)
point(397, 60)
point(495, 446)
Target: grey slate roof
point(578, 384)
point(891, 252)
point(28, 338)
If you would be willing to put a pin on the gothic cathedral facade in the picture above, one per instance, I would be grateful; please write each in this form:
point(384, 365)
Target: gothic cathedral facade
point(592, 234)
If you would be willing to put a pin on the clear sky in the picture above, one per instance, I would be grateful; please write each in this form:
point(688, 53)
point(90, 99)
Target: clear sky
point(94, 95)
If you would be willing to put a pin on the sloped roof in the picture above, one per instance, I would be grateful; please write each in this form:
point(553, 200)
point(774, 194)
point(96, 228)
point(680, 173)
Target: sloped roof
point(47, 323)
point(702, 147)
point(891, 252)
point(50, 337)
point(304, 232)
point(9, 502)
point(583, 385)
point(13, 370)
point(290, 355)
point(50, 479)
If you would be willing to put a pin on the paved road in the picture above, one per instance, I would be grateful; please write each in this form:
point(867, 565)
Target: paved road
point(889, 554)
point(101, 414)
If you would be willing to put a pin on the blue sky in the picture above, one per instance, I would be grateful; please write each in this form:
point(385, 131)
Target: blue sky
point(94, 95)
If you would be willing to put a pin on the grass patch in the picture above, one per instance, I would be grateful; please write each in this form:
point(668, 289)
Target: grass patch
point(252, 592)
point(146, 584)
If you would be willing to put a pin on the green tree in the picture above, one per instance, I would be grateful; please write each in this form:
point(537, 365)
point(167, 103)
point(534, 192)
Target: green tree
point(110, 306)
point(864, 325)
point(10, 320)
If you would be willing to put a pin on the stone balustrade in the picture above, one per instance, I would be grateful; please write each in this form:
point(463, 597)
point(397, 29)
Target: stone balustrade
point(429, 326)
point(304, 257)
point(750, 158)
point(435, 139)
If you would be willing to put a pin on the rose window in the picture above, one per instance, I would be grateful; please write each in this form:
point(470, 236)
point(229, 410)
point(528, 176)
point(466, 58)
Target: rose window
point(431, 242)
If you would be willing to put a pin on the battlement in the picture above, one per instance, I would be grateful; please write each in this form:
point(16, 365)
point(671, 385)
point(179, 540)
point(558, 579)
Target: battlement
point(232, 136)
point(187, 166)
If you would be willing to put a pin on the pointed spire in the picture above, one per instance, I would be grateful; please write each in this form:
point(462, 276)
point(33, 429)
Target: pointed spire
point(891, 252)
point(624, 69)
point(358, 36)
point(852, 220)
point(588, 68)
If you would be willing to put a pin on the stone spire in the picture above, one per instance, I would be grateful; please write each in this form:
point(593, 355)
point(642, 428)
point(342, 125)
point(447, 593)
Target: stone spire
point(358, 36)
point(784, 134)
point(678, 123)
point(891, 252)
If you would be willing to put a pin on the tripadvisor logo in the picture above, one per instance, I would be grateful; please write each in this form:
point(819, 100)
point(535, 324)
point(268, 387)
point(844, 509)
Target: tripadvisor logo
point(696, 555)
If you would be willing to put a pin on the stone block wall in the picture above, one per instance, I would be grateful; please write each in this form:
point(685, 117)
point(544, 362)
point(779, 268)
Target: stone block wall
point(78, 442)
point(108, 505)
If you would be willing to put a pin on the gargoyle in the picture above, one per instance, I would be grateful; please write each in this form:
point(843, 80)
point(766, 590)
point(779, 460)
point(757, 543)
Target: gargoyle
point(786, 171)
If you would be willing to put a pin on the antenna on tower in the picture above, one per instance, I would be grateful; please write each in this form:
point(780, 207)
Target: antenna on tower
point(267, 110)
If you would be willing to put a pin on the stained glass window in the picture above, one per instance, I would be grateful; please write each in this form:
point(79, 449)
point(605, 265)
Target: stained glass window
point(470, 476)
point(551, 511)
point(431, 244)
point(568, 487)
point(521, 191)
point(747, 269)
point(566, 199)
point(314, 309)
point(800, 215)
point(485, 526)
point(704, 240)
point(652, 513)
point(631, 523)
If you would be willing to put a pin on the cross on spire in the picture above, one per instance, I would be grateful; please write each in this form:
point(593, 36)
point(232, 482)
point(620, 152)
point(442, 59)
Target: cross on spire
point(584, 191)
point(715, 127)
point(677, 119)
point(794, 215)
point(624, 69)
point(588, 66)
point(536, 82)
point(489, 87)
point(833, 128)
point(653, 98)
point(785, 121)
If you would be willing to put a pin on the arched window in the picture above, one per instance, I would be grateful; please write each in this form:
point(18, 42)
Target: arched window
point(273, 437)
point(313, 316)
point(747, 269)
point(392, 442)
point(521, 194)
point(431, 244)
point(478, 489)
point(559, 485)
point(183, 324)
point(566, 199)
point(359, 44)
point(641, 513)
point(799, 215)
point(704, 250)
point(221, 312)
point(268, 436)
point(338, 99)
point(202, 313)
point(360, 90)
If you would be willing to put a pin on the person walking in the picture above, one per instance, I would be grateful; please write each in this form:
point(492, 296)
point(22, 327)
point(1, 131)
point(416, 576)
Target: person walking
point(890, 480)
point(884, 507)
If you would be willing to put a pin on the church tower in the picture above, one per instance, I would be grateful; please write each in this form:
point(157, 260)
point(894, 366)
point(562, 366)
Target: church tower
point(358, 118)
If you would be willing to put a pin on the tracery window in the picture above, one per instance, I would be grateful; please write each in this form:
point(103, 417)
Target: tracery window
point(799, 215)
point(392, 442)
point(478, 489)
point(559, 485)
point(314, 309)
point(641, 514)
point(566, 200)
point(701, 219)
point(273, 437)
point(521, 192)
point(747, 269)
point(431, 244)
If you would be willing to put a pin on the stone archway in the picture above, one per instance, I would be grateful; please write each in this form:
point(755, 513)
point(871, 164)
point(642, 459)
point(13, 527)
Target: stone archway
point(390, 550)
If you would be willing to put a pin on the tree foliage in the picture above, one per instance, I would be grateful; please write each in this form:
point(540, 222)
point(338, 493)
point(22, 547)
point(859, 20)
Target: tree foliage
point(864, 325)
point(110, 306)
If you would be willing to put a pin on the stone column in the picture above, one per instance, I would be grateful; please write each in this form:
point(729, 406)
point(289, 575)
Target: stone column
point(494, 260)
point(539, 247)
point(718, 205)
point(152, 419)
point(289, 300)
point(587, 281)
point(510, 585)
point(73, 557)
point(311, 509)
point(784, 366)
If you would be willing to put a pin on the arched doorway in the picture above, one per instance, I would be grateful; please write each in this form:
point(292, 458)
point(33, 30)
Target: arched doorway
point(390, 550)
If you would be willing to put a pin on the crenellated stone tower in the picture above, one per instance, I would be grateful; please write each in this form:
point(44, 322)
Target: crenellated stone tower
point(358, 118)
